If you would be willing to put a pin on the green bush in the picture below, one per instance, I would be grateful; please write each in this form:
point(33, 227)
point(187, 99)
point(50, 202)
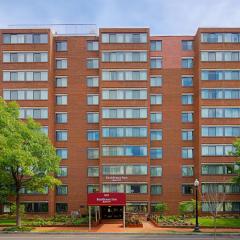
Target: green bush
point(186, 207)
point(78, 221)
point(18, 229)
point(161, 208)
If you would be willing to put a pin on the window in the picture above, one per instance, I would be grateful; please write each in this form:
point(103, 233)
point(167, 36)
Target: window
point(220, 112)
point(220, 56)
point(119, 56)
point(61, 117)
point(118, 132)
point(187, 171)
point(156, 171)
point(93, 188)
point(220, 75)
point(16, 38)
point(92, 63)
point(61, 207)
point(156, 189)
point(124, 37)
point(61, 135)
point(124, 113)
point(124, 75)
point(156, 99)
point(92, 82)
point(44, 129)
point(92, 46)
point(221, 131)
point(136, 188)
point(219, 169)
point(187, 45)
point(93, 172)
point(113, 188)
point(61, 99)
point(221, 93)
point(35, 113)
point(187, 117)
point(93, 117)
point(187, 135)
point(187, 189)
point(61, 46)
point(62, 190)
point(61, 63)
point(156, 153)
point(187, 62)
point(36, 207)
point(187, 99)
point(156, 63)
point(61, 81)
point(156, 117)
point(62, 153)
point(25, 57)
point(93, 135)
point(156, 135)
point(25, 76)
point(123, 94)
point(187, 152)
point(93, 153)
point(124, 150)
point(92, 99)
point(137, 207)
point(113, 170)
point(136, 169)
point(220, 37)
point(156, 45)
point(217, 150)
point(155, 81)
point(23, 94)
point(187, 81)
point(62, 172)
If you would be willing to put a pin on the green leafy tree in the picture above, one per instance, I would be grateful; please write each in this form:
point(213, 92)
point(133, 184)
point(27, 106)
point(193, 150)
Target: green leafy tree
point(161, 208)
point(27, 158)
point(236, 153)
point(186, 207)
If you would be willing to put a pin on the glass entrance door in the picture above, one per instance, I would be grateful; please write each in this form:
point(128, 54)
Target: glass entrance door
point(112, 212)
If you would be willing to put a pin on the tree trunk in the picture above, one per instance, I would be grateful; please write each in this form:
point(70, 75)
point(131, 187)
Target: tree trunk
point(18, 215)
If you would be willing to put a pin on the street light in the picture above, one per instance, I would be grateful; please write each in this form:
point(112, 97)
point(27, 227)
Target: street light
point(196, 228)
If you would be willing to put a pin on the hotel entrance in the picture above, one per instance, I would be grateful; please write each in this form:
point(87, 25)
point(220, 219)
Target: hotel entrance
point(112, 212)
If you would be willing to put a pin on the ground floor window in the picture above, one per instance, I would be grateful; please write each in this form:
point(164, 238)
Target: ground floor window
point(137, 207)
point(221, 207)
point(61, 207)
point(36, 207)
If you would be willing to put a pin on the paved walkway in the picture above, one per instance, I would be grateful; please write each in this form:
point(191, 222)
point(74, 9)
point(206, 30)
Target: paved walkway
point(148, 227)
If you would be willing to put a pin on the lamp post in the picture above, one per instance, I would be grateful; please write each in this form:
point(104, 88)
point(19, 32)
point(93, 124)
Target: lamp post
point(196, 184)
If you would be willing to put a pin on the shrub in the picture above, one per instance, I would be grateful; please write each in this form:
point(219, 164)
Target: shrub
point(18, 229)
point(186, 207)
point(133, 219)
point(161, 208)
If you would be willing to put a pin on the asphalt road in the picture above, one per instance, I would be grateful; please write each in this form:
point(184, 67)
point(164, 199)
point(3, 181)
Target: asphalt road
point(113, 237)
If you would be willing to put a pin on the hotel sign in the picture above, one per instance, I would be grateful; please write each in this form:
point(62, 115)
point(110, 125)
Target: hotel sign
point(106, 199)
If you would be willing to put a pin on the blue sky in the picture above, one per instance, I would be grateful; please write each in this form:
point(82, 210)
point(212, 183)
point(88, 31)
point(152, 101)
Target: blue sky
point(164, 17)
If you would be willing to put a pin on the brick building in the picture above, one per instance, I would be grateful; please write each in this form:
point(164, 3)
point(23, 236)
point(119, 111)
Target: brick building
point(128, 111)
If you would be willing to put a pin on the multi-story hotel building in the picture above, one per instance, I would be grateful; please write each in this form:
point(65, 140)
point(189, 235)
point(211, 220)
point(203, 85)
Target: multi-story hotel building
point(129, 112)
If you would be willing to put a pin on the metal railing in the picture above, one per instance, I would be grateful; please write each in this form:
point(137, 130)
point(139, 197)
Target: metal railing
point(61, 29)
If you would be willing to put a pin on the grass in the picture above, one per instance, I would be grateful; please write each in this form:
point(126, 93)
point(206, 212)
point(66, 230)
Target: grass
point(221, 222)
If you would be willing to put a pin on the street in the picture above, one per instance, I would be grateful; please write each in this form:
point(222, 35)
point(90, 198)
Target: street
point(94, 236)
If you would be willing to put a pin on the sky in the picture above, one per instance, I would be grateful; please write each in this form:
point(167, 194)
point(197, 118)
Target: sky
point(164, 17)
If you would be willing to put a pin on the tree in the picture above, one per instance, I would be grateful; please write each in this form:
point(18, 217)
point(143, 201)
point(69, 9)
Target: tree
point(236, 153)
point(27, 158)
point(186, 207)
point(213, 201)
point(161, 208)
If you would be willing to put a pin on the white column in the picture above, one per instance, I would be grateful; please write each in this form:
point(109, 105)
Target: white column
point(124, 217)
point(89, 217)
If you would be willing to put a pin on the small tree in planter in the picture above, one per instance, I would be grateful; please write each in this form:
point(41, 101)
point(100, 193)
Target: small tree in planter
point(161, 208)
point(186, 207)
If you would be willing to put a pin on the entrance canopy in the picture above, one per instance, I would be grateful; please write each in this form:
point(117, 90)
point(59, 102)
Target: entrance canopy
point(106, 199)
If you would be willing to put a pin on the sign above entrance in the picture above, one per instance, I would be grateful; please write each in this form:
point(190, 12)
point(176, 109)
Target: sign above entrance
point(106, 199)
